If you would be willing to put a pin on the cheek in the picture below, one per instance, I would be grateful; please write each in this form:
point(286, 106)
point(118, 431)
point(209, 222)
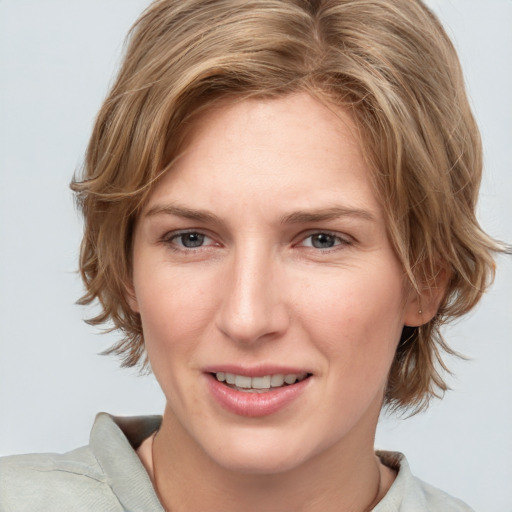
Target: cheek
point(174, 309)
point(357, 317)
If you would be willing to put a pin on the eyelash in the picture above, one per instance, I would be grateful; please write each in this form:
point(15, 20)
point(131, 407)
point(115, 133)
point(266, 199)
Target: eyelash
point(341, 241)
point(170, 239)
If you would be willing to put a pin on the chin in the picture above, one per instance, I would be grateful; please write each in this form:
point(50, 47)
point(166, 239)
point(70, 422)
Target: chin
point(258, 455)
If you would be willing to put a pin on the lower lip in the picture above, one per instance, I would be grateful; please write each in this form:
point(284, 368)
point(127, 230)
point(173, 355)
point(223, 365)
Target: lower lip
point(254, 404)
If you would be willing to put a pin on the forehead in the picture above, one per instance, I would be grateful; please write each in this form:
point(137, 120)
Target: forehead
point(294, 149)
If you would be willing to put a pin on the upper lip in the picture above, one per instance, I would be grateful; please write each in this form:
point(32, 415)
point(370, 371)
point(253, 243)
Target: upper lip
point(256, 371)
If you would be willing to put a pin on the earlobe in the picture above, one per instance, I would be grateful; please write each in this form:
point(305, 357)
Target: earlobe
point(415, 315)
point(131, 297)
point(423, 305)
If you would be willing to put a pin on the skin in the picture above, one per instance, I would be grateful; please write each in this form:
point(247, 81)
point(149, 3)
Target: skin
point(258, 291)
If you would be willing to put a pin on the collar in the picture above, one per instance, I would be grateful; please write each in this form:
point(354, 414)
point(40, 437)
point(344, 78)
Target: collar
point(113, 441)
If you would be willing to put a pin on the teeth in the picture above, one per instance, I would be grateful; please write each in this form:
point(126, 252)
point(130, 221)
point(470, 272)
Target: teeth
point(277, 380)
point(241, 381)
point(290, 379)
point(259, 383)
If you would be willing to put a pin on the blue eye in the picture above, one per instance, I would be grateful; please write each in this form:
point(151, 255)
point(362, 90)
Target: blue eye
point(191, 240)
point(323, 241)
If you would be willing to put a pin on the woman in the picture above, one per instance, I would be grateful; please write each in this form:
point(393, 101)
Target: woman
point(279, 204)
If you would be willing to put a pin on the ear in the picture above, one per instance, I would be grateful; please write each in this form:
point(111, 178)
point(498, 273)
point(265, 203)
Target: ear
point(423, 303)
point(131, 297)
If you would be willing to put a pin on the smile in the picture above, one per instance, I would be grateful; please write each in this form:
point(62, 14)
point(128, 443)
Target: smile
point(259, 392)
point(261, 384)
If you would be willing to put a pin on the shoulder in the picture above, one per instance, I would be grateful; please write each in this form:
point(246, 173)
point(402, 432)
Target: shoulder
point(105, 476)
point(410, 493)
point(439, 500)
point(54, 482)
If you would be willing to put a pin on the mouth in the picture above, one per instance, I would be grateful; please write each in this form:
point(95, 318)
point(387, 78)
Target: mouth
point(257, 392)
point(261, 384)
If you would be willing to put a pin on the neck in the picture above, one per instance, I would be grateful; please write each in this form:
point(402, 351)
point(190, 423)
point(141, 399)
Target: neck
point(339, 479)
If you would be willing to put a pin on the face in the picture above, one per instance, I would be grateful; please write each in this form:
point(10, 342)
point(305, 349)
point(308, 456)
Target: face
point(262, 256)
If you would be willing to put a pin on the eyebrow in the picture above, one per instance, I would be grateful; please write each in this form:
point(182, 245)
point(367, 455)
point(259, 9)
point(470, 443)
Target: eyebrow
point(326, 215)
point(298, 217)
point(184, 212)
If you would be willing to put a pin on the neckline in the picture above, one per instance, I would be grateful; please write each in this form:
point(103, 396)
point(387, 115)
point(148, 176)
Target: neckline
point(114, 441)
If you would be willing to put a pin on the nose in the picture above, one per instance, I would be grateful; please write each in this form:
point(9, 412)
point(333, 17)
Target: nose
point(253, 305)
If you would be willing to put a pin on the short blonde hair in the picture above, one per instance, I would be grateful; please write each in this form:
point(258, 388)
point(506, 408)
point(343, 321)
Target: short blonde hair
point(388, 61)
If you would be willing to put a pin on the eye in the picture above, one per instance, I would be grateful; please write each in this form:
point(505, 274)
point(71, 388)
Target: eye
point(191, 240)
point(323, 241)
point(188, 240)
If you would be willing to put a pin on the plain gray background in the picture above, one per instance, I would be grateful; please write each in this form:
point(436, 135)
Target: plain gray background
point(57, 58)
